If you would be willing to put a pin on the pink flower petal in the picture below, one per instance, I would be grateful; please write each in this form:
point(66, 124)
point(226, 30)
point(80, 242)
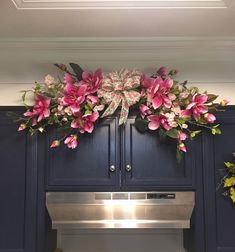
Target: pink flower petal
point(185, 113)
point(157, 102)
point(201, 98)
point(153, 125)
point(87, 75)
point(94, 116)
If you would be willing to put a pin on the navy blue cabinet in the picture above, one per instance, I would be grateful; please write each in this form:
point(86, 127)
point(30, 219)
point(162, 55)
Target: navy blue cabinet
point(112, 158)
point(18, 177)
point(94, 165)
point(219, 211)
point(149, 164)
point(117, 158)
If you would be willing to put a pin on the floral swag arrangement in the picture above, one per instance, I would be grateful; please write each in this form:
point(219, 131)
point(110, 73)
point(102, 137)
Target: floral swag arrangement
point(77, 102)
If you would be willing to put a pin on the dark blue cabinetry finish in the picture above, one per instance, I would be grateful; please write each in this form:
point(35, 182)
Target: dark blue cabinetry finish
point(219, 211)
point(153, 163)
point(18, 199)
point(88, 166)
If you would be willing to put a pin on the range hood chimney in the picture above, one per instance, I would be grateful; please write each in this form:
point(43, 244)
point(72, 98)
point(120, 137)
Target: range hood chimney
point(86, 210)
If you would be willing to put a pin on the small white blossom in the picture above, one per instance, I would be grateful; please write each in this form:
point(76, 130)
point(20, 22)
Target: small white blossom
point(68, 111)
point(49, 80)
point(184, 95)
point(184, 126)
point(99, 108)
point(172, 97)
point(171, 119)
point(41, 129)
point(176, 110)
point(64, 119)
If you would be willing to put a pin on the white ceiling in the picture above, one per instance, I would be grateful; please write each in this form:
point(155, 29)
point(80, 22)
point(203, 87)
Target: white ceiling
point(115, 23)
point(199, 42)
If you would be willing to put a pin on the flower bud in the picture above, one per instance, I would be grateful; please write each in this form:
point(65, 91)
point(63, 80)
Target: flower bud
point(55, 144)
point(22, 127)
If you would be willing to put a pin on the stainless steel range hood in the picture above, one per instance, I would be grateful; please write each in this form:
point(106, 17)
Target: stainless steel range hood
point(85, 210)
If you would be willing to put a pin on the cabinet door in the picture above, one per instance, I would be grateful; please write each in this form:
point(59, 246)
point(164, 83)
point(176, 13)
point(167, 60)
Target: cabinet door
point(18, 182)
point(219, 210)
point(88, 166)
point(153, 164)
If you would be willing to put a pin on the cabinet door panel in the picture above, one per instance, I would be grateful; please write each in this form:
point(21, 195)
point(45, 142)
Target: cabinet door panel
point(153, 163)
point(219, 211)
point(17, 189)
point(86, 167)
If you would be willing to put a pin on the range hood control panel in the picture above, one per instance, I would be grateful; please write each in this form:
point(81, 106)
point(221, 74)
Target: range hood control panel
point(161, 196)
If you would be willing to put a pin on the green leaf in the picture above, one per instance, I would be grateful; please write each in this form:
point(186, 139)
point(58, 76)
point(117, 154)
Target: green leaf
point(232, 194)
point(211, 98)
point(162, 135)
point(173, 133)
point(77, 70)
point(230, 166)
point(47, 94)
point(194, 133)
point(141, 124)
point(215, 131)
point(179, 155)
point(228, 182)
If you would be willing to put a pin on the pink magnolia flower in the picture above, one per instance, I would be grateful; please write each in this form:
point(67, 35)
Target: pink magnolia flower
point(146, 83)
point(182, 136)
point(162, 71)
point(73, 97)
point(209, 117)
point(92, 81)
point(71, 141)
point(40, 109)
point(144, 111)
point(68, 79)
point(182, 147)
point(22, 127)
point(55, 144)
point(155, 121)
point(89, 121)
point(85, 123)
point(93, 100)
point(159, 92)
point(196, 107)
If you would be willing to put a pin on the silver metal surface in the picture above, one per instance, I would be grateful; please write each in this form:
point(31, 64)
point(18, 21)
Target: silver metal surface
point(120, 209)
point(112, 168)
point(128, 168)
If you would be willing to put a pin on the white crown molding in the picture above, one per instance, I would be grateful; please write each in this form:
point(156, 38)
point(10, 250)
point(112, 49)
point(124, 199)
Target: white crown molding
point(198, 59)
point(119, 4)
point(121, 43)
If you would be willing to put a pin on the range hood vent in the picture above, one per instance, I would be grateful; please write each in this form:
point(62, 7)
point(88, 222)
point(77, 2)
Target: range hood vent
point(85, 210)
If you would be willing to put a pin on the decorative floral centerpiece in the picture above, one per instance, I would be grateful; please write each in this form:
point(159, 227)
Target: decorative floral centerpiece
point(81, 98)
point(229, 180)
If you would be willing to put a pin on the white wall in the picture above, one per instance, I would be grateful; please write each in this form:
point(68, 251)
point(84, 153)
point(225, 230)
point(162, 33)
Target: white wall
point(10, 93)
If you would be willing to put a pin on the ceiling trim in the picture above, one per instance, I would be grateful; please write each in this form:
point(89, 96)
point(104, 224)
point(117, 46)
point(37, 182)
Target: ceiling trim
point(119, 4)
point(120, 43)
